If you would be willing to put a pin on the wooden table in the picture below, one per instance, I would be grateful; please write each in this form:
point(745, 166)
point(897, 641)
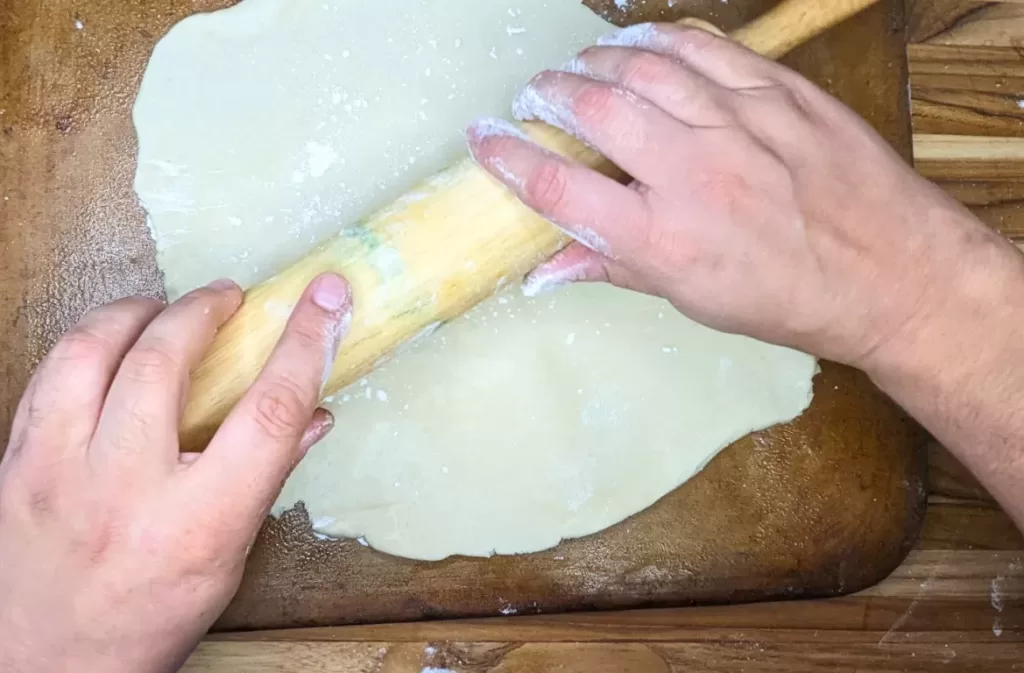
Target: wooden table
point(957, 604)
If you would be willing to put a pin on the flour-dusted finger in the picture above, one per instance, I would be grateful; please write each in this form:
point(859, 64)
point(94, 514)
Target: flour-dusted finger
point(140, 419)
point(628, 129)
point(579, 264)
point(266, 435)
point(576, 264)
point(664, 80)
point(590, 207)
point(725, 62)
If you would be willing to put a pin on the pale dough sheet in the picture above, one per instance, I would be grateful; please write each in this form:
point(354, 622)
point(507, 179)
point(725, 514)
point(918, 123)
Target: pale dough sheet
point(530, 421)
point(268, 127)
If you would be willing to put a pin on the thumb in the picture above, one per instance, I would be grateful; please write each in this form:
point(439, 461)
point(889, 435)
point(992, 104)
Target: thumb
point(266, 435)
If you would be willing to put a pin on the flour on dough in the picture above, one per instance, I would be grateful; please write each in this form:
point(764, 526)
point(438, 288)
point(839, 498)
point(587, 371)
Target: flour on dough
point(265, 128)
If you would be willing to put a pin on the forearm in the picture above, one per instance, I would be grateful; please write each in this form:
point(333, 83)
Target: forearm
point(959, 369)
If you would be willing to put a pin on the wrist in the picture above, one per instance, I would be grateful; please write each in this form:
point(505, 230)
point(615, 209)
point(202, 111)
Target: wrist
point(965, 320)
point(38, 654)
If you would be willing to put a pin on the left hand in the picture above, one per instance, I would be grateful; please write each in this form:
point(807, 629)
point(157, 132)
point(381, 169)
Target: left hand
point(117, 552)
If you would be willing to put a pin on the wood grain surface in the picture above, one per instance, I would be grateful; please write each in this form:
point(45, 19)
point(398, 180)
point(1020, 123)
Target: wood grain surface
point(827, 505)
point(967, 75)
point(956, 604)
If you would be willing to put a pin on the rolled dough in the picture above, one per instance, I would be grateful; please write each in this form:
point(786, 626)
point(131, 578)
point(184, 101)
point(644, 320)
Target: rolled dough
point(267, 127)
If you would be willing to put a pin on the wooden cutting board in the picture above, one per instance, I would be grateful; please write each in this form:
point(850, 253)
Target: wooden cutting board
point(828, 504)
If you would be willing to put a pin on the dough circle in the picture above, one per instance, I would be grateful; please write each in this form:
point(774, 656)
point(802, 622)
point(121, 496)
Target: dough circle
point(267, 127)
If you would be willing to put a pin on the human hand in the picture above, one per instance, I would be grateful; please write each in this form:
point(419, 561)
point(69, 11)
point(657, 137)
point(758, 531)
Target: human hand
point(117, 552)
point(762, 206)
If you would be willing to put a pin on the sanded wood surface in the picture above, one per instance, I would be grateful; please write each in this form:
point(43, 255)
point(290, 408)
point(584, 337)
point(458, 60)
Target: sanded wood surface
point(956, 604)
point(967, 77)
point(824, 506)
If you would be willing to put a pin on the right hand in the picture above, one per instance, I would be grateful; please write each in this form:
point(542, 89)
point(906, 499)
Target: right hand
point(762, 206)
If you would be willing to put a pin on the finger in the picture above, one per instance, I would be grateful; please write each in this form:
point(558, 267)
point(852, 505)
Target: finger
point(721, 60)
point(265, 436)
point(65, 395)
point(579, 264)
point(682, 92)
point(590, 207)
point(630, 130)
point(143, 409)
point(575, 264)
point(316, 431)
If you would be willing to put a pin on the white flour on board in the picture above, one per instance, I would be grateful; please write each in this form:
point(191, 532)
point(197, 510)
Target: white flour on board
point(270, 126)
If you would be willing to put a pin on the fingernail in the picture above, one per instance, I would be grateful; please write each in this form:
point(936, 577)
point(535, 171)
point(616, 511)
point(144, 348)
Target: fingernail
point(330, 292)
point(639, 35)
point(320, 427)
point(223, 285)
point(550, 277)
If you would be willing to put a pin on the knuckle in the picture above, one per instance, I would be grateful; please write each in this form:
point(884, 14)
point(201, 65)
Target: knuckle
point(81, 344)
point(311, 335)
point(596, 103)
point(136, 431)
point(547, 187)
point(642, 69)
point(694, 40)
point(153, 362)
point(95, 542)
point(784, 98)
point(280, 409)
point(723, 187)
point(29, 494)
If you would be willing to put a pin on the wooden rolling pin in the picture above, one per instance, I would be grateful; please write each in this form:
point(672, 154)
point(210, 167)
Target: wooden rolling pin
point(432, 255)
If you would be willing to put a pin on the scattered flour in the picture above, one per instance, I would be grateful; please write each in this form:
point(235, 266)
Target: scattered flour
point(996, 593)
point(639, 35)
